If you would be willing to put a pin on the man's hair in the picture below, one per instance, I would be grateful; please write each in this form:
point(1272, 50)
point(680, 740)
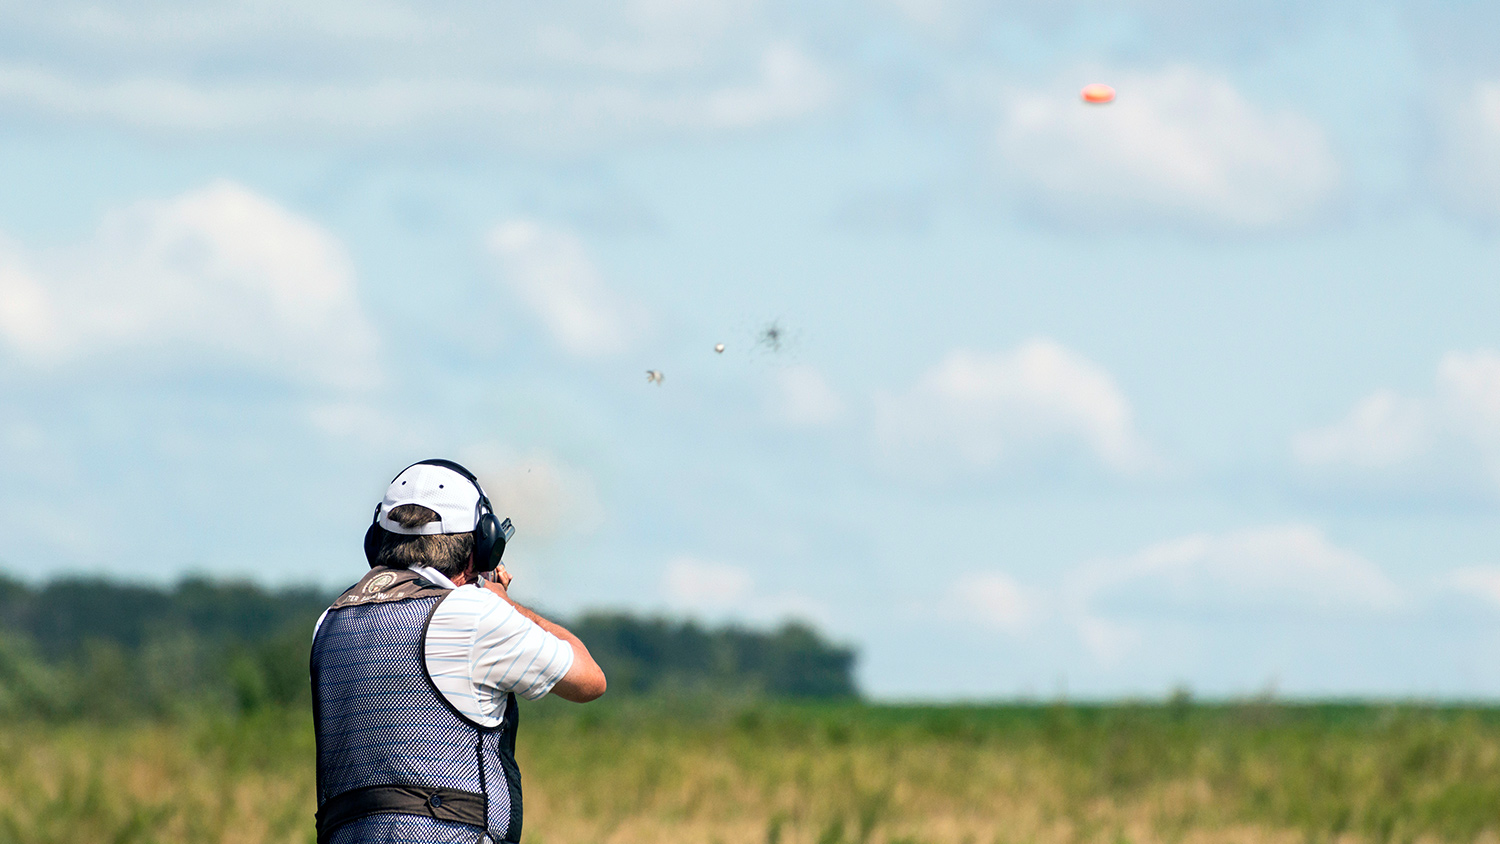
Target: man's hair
point(447, 552)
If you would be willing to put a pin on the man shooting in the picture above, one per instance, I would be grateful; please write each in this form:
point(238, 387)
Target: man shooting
point(414, 678)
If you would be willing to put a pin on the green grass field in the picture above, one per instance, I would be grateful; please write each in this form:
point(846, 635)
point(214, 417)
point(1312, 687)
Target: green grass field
point(722, 773)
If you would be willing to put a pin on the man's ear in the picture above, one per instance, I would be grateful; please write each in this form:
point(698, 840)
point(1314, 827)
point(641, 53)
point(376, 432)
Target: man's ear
point(467, 575)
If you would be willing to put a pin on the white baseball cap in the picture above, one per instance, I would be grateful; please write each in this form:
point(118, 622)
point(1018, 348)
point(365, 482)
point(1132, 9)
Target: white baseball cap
point(452, 496)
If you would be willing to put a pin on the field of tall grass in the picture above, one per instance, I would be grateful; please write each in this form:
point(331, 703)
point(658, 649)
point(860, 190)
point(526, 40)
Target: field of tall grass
point(736, 773)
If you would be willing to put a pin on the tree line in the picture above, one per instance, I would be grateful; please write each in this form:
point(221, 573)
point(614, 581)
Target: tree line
point(78, 648)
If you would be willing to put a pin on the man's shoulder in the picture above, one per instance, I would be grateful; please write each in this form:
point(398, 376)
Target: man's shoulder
point(474, 607)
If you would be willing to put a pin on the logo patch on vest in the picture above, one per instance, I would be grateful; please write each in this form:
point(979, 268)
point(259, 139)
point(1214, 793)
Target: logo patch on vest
point(382, 585)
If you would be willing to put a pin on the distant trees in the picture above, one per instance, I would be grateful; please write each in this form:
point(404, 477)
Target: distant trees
point(644, 656)
point(85, 648)
point(63, 615)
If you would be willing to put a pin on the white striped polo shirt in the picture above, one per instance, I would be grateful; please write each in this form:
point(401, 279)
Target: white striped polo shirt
point(479, 647)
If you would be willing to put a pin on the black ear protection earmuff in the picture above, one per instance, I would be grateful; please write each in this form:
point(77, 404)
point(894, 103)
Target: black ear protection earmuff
point(490, 534)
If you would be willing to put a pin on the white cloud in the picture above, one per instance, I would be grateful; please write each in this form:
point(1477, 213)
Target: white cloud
point(801, 398)
point(1176, 26)
point(362, 420)
point(28, 321)
point(548, 269)
point(1263, 572)
point(1384, 429)
point(1399, 437)
point(944, 18)
point(1179, 145)
point(1170, 593)
point(706, 585)
point(219, 276)
point(664, 33)
point(723, 591)
point(565, 75)
point(785, 84)
point(1469, 394)
point(164, 25)
point(997, 601)
point(1467, 169)
point(976, 410)
point(789, 84)
point(1481, 582)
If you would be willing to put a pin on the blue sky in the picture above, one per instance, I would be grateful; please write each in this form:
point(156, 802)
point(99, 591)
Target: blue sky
point(1200, 388)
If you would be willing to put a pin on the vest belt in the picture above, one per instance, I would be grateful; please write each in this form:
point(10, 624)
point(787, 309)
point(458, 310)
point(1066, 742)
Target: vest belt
point(444, 804)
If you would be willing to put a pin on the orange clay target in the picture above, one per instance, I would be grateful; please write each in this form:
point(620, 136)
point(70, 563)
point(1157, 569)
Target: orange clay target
point(1097, 94)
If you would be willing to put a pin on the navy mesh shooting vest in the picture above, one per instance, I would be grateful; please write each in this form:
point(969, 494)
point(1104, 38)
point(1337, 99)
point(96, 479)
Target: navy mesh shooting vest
point(396, 761)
